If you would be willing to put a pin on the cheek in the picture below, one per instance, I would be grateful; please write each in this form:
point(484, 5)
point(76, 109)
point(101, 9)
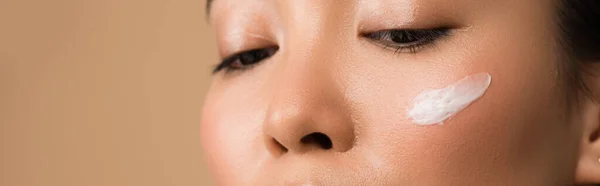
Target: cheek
point(508, 129)
point(231, 137)
point(516, 127)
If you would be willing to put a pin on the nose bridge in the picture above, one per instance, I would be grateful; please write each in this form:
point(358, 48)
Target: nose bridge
point(305, 72)
point(307, 100)
point(304, 85)
point(305, 78)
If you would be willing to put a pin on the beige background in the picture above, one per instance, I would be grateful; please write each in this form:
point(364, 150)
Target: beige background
point(102, 92)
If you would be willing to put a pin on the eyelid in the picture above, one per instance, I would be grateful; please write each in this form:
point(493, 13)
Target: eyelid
point(421, 23)
point(243, 40)
point(260, 37)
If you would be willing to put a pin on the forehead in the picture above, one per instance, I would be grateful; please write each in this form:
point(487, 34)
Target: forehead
point(429, 3)
point(210, 2)
point(224, 11)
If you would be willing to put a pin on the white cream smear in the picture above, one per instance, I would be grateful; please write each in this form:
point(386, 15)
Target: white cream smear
point(434, 106)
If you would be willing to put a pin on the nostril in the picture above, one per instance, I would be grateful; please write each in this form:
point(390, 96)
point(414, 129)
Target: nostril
point(319, 139)
point(278, 146)
point(281, 146)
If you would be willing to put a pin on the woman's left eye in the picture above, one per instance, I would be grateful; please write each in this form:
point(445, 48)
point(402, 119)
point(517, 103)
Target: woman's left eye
point(407, 39)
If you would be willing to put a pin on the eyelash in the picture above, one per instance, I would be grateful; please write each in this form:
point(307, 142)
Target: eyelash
point(411, 40)
point(245, 60)
point(400, 40)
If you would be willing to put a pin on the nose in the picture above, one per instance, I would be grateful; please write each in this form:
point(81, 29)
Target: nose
point(308, 113)
point(296, 129)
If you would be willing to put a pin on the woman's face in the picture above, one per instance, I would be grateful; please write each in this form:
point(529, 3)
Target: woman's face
point(312, 72)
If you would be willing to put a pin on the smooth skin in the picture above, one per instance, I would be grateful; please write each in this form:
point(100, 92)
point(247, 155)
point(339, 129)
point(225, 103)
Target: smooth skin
point(327, 77)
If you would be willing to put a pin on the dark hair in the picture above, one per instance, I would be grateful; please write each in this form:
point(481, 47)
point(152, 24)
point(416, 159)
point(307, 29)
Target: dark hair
point(579, 22)
point(580, 25)
point(208, 5)
point(580, 38)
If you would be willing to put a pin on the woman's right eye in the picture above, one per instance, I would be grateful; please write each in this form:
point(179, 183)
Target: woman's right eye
point(245, 60)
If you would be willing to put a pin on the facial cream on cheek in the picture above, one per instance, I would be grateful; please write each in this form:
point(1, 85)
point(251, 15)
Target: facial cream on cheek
point(434, 106)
